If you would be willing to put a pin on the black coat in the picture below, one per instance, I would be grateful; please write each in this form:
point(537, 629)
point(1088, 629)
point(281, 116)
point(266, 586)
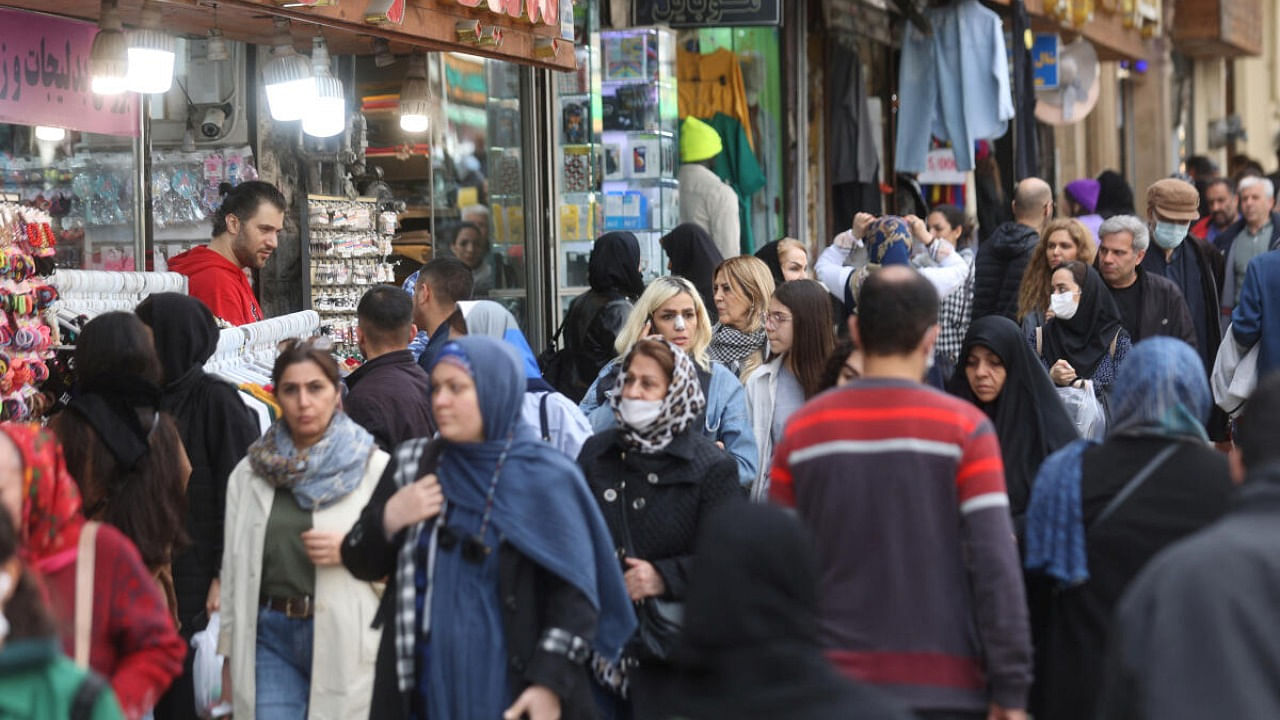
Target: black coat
point(1164, 311)
point(388, 396)
point(665, 496)
point(1001, 261)
point(590, 329)
point(533, 600)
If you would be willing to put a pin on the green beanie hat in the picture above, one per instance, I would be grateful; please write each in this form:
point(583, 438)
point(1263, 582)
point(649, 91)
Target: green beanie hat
point(698, 141)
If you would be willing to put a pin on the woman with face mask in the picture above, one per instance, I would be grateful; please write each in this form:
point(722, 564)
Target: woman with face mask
point(1084, 339)
point(656, 478)
point(1001, 375)
point(800, 335)
point(672, 309)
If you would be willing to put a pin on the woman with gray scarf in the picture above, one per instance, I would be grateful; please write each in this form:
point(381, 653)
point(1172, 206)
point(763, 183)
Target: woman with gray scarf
point(295, 624)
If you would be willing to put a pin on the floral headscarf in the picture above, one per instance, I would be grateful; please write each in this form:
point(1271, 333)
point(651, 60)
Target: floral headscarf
point(51, 512)
point(682, 405)
point(888, 242)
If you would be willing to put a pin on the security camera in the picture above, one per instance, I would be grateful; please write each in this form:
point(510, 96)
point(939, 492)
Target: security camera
point(211, 124)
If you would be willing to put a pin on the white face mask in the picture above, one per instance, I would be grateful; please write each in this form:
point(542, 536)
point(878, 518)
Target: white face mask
point(639, 414)
point(1064, 305)
point(1169, 235)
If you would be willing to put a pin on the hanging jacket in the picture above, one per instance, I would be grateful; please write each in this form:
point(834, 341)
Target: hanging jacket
point(712, 83)
point(737, 165)
point(218, 283)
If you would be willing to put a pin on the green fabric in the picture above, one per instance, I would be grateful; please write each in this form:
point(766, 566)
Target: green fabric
point(738, 166)
point(37, 681)
point(286, 570)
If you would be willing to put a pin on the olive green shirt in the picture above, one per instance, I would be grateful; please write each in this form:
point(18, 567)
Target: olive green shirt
point(287, 572)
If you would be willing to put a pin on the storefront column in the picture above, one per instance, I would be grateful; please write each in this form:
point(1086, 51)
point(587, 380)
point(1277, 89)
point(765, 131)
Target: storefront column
point(1257, 92)
point(1154, 150)
point(539, 206)
point(1209, 103)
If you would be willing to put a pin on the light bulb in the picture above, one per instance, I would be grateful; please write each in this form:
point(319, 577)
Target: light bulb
point(50, 134)
point(109, 54)
point(287, 76)
point(327, 115)
point(415, 97)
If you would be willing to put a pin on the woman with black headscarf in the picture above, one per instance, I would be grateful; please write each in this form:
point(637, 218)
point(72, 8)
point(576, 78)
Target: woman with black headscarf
point(1115, 197)
point(999, 373)
point(595, 317)
point(1083, 339)
point(694, 257)
point(750, 649)
point(216, 428)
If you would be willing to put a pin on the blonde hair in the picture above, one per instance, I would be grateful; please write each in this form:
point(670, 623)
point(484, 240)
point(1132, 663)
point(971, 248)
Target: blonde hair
point(659, 292)
point(749, 275)
point(1037, 279)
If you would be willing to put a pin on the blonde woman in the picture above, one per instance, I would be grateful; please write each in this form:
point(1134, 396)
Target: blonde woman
point(672, 308)
point(1063, 240)
point(743, 286)
point(787, 260)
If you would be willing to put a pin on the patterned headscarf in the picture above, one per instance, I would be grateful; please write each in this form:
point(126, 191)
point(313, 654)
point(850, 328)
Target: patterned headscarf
point(1161, 392)
point(682, 405)
point(888, 242)
point(51, 511)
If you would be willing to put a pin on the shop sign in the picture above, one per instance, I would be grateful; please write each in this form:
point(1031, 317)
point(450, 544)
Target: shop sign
point(708, 13)
point(940, 168)
point(1044, 61)
point(44, 77)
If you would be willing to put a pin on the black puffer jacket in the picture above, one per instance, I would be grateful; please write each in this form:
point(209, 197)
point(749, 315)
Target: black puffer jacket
point(1001, 261)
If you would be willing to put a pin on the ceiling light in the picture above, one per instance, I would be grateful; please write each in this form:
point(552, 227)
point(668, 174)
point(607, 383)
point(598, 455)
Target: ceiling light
point(287, 77)
point(50, 134)
point(109, 55)
point(382, 56)
point(415, 97)
point(327, 115)
point(216, 47)
point(152, 53)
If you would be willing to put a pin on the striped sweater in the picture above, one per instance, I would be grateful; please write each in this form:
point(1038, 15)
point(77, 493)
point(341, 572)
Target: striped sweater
point(921, 593)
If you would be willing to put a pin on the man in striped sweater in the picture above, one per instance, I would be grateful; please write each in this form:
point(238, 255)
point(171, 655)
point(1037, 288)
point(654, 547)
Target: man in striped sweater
point(903, 487)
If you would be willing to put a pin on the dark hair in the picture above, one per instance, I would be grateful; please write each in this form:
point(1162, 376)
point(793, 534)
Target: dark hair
point(1201, 165)
point(1223, 181)
point(895, 310)
point(835, 362)
point(385, 314)
point(243, 201)
point(1255, 433)
point(25, 611)
point(812, 335)
point(656, 351)
point(298, 350)
point(114, 344)
point(956, 218)
point(465, 225)
point(1078, 270)
point(449, 278)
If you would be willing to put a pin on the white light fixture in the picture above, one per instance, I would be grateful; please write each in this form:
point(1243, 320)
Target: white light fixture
point(415, 97)
point(287, 77)
point(109, 55)
point(327, 115)
point(50, 134)
point(152, 53)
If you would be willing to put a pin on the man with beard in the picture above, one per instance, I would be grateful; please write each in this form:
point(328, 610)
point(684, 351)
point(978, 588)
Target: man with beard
point(245, 232)
point(1220, 197)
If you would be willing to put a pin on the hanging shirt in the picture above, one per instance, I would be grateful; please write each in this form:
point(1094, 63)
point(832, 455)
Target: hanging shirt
point(737, 165)
point(710, 84)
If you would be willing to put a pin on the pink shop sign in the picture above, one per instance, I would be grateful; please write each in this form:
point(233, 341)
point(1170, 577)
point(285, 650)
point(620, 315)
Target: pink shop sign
point(44, 77)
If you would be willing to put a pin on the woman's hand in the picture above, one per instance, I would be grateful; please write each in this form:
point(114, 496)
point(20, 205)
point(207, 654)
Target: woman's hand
point(412, 504)
point(919, 230)
point(861, 222)
point(642, 580)
point(324, 547)
point(213, 600)
point(535, 703)
point(1062, 373)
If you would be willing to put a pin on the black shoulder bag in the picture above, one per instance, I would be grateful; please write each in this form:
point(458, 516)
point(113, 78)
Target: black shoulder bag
point(660, 621)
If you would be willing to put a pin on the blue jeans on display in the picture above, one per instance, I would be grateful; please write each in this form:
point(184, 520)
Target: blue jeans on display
point(282, 666)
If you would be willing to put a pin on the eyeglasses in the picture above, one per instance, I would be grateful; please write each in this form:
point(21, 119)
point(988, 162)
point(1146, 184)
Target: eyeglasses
point(776, 319)
point(323, 343)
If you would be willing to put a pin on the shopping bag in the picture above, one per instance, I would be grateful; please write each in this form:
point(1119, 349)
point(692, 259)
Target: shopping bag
point(1085, 409)
point(1235, 374)
point(206, 671)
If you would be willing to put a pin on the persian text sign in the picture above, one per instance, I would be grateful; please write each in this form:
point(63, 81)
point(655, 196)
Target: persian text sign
point(44, 77)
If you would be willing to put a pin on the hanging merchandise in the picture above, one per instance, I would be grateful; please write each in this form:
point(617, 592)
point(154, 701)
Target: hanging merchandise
point(245, 356)
point(953, 84)
point(1026, 148)
point(348, 242)
point(737, 165)
point(27, 336)
point(713, 83)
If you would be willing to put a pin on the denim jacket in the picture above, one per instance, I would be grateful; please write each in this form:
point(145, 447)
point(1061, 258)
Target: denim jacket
point(727, 420)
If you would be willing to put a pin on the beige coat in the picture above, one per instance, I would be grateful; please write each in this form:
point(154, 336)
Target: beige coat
point(345, 645)
point(707, 200)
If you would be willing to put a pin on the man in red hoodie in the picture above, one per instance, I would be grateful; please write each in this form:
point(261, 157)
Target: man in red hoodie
point(245, 231)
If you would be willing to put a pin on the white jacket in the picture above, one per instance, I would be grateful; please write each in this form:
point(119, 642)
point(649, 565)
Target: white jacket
point(345, 645)
point(762, 387)
point(707, 200)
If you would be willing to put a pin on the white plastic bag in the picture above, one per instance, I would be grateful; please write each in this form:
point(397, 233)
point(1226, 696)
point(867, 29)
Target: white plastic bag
point(206, 671)
point(1085, 410)
point(1235, 374)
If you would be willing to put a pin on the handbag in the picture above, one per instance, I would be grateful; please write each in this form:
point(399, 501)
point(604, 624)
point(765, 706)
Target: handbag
point(660, 622)
point(1235, 374)
point(556, 363)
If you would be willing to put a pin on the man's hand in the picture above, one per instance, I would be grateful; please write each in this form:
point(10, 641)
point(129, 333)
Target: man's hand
point(213, 600)
point(535, 703)
point(412, 504)
point(642, 580)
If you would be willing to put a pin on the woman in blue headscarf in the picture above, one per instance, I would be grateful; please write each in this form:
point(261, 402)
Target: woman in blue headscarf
point(1098, 513)
point(503, 591)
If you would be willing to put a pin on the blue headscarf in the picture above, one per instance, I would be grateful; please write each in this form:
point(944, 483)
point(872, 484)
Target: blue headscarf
point(542, 507)
point(889, 241)
point(1161, 392)
point(488, 318)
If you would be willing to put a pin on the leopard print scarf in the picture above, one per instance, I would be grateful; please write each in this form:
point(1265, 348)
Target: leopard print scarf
point(682, 405)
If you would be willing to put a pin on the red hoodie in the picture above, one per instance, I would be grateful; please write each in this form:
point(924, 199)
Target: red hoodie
point(218, 283)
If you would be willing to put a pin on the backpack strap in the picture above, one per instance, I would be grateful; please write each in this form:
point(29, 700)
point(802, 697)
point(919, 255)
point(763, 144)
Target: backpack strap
point(86, 696)
point(86, 561)
point(542, 417)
